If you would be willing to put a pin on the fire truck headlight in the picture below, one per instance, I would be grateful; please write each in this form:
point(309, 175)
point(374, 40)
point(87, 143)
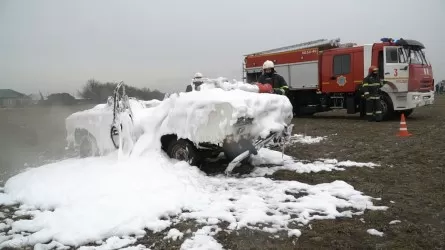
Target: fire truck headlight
point(416, 97)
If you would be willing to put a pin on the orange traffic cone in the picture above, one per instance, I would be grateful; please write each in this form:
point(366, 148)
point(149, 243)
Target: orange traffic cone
point(403, 131)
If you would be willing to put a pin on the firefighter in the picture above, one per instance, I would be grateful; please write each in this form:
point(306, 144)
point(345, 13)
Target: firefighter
point(269, 76)
point(371, 89)
point(196, 82)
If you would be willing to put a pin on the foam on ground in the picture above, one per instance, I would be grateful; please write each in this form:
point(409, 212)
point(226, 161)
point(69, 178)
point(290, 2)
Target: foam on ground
point(269, 161)
point(305, 139)
point(79, 201)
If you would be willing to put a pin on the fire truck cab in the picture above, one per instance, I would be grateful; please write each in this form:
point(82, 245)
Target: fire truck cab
point(324, 75)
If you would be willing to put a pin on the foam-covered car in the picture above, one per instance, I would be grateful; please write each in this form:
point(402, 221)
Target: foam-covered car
point(223, 118)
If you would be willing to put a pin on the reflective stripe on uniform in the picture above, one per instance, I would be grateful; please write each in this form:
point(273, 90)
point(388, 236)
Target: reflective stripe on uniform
point(374, 84)
point(283, 89)
point(369, 113)
point(366, 93)
point(378, 112)
point(280, 90)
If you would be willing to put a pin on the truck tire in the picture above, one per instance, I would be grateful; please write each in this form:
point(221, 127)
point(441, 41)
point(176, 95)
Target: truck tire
point(387, 108)
point(88, 146)
point(183, 150)
point(304, 115)
point(302, 112)
point(362, 108)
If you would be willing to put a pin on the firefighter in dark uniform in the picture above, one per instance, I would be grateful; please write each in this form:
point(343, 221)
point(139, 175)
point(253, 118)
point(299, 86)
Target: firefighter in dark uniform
point(269, 76)
point(197, 81)
point(371, 89)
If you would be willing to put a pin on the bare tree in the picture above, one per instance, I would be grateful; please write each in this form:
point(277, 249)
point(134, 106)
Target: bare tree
point(99, 92)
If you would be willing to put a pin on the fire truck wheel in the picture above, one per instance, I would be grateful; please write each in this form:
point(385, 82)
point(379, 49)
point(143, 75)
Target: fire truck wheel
point(387, 108)
point(300, 112)
point(183, 150)
point(362, 108)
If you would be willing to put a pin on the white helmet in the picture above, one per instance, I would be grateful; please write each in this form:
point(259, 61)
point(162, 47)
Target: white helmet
point(198, 75)
point(268, 65)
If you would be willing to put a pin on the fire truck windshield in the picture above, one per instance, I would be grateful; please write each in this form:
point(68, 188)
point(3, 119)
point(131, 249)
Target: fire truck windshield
point(415, 56)
point(402, 55)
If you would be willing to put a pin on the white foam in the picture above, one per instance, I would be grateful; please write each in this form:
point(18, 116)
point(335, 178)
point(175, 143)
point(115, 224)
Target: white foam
point(86, 200)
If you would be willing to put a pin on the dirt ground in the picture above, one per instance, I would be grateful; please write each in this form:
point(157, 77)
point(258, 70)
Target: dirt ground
point(412, 175)
point(410, 181)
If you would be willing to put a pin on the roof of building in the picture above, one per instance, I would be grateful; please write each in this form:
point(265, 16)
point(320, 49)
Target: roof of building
point(9, 93)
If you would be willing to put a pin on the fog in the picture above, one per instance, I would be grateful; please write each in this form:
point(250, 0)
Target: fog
point(56, 46)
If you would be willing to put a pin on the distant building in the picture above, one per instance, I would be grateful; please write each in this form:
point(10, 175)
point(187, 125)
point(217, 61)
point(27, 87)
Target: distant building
point(12, 99)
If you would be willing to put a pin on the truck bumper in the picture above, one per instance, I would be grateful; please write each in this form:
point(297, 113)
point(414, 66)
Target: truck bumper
point(412, 100)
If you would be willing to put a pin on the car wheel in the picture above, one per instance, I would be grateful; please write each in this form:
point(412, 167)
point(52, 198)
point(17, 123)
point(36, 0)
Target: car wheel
point(183, 150)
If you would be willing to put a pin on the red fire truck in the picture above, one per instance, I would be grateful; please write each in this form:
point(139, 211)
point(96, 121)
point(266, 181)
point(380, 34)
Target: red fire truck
point(324, 74)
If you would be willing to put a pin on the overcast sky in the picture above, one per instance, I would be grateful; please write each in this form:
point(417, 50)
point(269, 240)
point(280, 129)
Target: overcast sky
point(56, 46)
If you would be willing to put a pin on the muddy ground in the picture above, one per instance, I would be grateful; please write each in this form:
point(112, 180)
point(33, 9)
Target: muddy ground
point(410, 181)
point(412, 176)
